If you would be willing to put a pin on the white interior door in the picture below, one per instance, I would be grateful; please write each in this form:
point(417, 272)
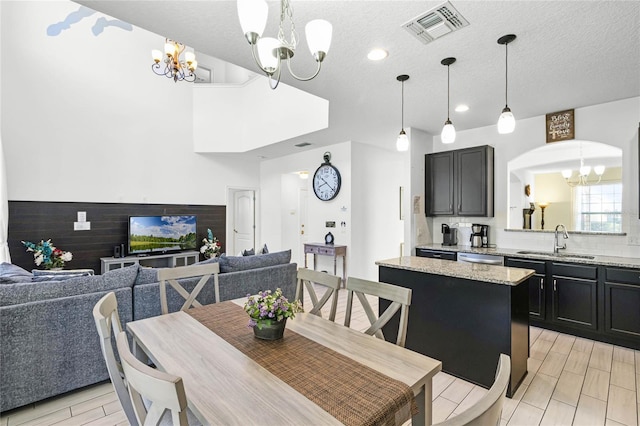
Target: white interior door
point(244, 221)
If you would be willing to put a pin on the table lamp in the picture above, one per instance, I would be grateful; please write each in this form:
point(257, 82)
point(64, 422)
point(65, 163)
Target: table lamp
point(543, 206)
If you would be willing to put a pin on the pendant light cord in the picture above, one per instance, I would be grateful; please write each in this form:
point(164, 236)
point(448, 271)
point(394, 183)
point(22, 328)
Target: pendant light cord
point(448, 95)
point(402, 105)
point(506, 73)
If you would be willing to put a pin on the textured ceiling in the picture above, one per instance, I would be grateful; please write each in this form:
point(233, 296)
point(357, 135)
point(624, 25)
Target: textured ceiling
point(568, 54)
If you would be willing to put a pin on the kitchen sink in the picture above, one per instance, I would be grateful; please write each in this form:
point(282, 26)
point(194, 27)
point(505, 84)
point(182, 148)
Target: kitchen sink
point(552, 254)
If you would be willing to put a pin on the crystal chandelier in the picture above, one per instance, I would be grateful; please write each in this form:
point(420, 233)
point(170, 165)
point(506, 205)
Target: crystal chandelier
point(174, 67)
point(269, 52)
point(583, 175)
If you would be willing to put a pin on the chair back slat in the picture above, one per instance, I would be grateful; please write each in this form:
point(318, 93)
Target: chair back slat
point(172, 275)
point(163, 391)
point(488, 410)
point(308, 278)
point(105, 315)
point(400, 298)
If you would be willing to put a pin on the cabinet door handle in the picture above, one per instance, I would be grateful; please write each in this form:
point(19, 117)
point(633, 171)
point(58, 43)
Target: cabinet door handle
point(451, 207)
point(437, 255)
point(459, 207)
point(541, 283)
point(554, 285)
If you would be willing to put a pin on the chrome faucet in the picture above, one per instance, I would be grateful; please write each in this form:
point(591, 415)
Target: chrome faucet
point(556, 243)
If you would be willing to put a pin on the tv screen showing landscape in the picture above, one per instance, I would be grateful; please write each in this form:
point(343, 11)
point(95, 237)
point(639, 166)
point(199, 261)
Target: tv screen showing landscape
point(159, 234)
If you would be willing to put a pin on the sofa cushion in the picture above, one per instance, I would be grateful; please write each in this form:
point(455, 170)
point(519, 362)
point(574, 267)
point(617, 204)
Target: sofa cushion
point(146, 275)
point(243, 263)
point(10, 273)
point(211, 260)
point(11, 294)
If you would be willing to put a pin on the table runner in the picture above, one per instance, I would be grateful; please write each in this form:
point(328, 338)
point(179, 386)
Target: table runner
point(351, 392)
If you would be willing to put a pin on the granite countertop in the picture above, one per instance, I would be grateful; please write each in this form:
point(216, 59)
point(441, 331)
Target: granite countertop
point(471, 271)
point(624, 262)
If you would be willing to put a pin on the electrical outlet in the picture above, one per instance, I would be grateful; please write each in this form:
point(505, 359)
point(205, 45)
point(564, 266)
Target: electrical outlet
point(330, 224)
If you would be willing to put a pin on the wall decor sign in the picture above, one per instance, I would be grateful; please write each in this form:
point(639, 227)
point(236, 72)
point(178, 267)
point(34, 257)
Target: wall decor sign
point(560, 126)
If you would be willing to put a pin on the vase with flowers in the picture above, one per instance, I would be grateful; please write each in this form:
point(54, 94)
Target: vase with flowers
point(48, 256)
point(268, 313)
point(210, 246)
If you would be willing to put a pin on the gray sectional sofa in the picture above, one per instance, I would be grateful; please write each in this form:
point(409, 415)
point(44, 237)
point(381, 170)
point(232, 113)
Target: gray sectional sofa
point(48, 341)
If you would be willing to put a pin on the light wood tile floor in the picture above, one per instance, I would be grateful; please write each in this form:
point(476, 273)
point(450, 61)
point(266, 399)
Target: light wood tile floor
point(571, 381)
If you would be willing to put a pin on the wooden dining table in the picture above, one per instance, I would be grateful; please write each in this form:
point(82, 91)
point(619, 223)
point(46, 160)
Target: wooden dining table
point(225, 386)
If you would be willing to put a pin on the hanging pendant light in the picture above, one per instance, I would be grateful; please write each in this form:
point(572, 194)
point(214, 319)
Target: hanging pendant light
point(506, 122)
point(402, 143)
point(448, 134)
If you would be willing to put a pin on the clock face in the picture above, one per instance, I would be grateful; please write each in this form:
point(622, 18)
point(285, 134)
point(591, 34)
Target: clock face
point(326, 182)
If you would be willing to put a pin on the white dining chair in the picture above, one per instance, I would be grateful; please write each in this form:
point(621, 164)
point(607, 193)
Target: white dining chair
point(487, 411)
point(105, 315)
point(162, 391)
point(172, 275)
point(309, 279)
point(400, 298)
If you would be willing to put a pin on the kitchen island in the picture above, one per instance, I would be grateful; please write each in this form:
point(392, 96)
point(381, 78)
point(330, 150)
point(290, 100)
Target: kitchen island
point(464, 315)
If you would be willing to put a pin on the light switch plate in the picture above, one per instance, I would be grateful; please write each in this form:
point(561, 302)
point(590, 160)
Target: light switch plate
point(81, 226)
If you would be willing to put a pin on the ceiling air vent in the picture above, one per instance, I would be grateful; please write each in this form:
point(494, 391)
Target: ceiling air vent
point(435, 23)
point(301, 144)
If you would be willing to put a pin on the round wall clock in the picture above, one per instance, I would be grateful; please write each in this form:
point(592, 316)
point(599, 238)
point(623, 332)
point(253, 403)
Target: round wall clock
point(326, 180)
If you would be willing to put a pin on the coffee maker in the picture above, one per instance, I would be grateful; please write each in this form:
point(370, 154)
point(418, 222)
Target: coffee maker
point(476, 235)
point(449, 235)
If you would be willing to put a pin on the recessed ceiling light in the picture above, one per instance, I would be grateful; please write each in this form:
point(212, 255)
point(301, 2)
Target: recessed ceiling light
point(377, 54)
point(462, 108)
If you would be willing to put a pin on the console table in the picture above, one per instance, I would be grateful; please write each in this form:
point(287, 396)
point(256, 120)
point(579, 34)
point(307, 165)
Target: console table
point(167, 260)
point(327, 250)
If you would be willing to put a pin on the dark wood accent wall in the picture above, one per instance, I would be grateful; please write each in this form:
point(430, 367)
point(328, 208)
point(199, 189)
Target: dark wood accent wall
point(34, 221)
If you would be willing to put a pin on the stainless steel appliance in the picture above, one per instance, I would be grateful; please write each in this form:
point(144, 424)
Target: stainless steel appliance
point(485, 235)
point(487, 259)
point(449, 235)
point(476, 235)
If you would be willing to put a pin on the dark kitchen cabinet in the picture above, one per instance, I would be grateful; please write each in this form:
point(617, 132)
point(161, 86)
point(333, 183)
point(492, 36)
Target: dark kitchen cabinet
point(460, 182)
point(536, 285)
point(574, 296)
point(436, 254)
point(622, 302)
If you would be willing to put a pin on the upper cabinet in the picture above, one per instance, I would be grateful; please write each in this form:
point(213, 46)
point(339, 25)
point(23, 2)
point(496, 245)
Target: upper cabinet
point(460, 182)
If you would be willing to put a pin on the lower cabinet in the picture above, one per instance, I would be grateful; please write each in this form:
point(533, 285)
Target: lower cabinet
point(574, 295)
point(592, 301)
point(436, 254)
point(536, 285)
point(622, 302)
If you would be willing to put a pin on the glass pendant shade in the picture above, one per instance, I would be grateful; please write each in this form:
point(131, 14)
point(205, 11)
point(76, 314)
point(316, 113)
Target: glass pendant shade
point(448, 134)
point(318, 34)
point(189, 57)
point(253, 16)
point(156, 55)
point(506, 122)
point(402, 143)
point(566, 174)
point(599, 170)
point(169, 49)
point(266, 46)
point(585, 170)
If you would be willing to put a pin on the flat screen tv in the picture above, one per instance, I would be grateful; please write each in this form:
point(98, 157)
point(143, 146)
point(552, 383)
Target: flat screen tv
point(161, 234)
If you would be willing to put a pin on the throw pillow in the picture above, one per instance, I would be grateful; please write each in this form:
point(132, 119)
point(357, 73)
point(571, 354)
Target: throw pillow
point(211, 260)
point(248, 252)
point(10, 274)
point(47, 275)
point(243, 263)
point(264, 250)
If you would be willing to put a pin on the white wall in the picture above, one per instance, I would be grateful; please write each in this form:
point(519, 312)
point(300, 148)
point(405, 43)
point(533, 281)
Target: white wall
point(89, 121)
point(614, 123)
point(253, 115)
point(279, 199)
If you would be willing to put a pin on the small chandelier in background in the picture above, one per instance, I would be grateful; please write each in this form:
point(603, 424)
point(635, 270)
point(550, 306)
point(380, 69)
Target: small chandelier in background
point(583, 175)
point(269, 52)
point(448, 134)
point(174, 67)
point(506, 122)
point(402, 143)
